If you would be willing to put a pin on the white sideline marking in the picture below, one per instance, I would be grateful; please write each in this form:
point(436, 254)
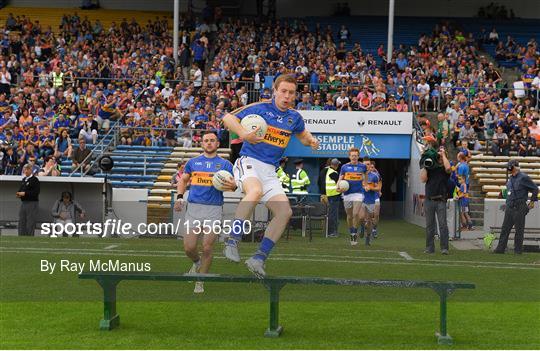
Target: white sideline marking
point(110, 247)
point(405, 256)
point(156, 253)
point(360, 260)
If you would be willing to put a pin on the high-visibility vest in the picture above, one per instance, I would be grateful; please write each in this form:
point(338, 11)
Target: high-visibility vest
point(331, 185)
point(300, 182)
point(58, 79)
point(284, 179)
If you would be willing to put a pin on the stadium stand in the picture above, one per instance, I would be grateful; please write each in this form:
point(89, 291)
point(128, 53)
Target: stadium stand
point(157, 111)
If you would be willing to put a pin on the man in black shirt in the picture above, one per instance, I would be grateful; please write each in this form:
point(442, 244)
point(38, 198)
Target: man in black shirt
point(29, 195)
point(436, 180)
point(517, 188)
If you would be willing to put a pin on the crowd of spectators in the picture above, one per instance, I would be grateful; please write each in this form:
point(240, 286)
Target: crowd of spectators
point(61, 91)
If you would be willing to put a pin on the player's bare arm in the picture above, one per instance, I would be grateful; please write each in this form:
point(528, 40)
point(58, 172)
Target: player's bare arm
point(231, 122)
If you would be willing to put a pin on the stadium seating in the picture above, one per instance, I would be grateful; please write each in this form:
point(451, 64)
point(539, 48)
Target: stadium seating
point(490, 172)
point(53, 16)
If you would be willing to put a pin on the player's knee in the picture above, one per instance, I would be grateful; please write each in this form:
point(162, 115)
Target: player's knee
point(207, 250)
point(287, 213)
point(190, 249)
point(255, 193)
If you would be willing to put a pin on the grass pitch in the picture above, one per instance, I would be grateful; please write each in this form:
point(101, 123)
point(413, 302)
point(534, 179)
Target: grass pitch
point(58, 311)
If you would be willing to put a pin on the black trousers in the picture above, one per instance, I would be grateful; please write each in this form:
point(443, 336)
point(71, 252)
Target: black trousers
point(27, 217)
point(514, 216)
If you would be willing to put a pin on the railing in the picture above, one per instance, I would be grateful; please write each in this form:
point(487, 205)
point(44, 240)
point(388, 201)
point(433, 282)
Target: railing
point(438, 104)
point(98, 149)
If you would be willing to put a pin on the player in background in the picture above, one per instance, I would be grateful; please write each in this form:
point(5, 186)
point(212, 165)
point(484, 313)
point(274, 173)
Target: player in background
point(353, 172)
point(374, 232)
point(204, 203)
point(372, 187)
point(255, 169)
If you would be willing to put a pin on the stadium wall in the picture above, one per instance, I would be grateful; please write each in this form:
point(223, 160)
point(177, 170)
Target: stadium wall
point(415, 8)
point(143, 5)
point(414, 191)
point(301, 8)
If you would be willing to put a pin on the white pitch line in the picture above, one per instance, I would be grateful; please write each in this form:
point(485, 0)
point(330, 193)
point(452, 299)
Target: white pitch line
point(175, 254)
point(405, 256)
point(300, 259)
point(110, 247)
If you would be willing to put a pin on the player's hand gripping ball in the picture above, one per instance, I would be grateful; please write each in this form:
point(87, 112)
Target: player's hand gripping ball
point(222, 180)
point(342, 186)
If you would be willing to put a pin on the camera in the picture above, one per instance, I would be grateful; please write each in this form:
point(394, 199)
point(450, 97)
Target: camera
point(430, 159)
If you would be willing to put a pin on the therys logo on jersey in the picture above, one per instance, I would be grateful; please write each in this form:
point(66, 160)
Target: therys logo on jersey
point(202, 178)
point(277, 137)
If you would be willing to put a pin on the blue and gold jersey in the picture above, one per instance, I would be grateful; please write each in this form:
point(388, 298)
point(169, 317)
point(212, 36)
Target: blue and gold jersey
point(354, 174)
point(370, 196)
point(281, 126)
point(202, 169)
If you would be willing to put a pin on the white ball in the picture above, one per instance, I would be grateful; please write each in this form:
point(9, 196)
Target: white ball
point(251, 122)
point(220, 177)
point(343, 185)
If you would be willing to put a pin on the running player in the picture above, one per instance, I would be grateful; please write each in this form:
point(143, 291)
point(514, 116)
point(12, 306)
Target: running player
point(255, 169)
point(378, 195)
point(353, 172)
point(204, 203)
point(372, 187)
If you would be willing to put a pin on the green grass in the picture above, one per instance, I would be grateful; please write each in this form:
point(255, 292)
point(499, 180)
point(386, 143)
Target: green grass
point(59, 311)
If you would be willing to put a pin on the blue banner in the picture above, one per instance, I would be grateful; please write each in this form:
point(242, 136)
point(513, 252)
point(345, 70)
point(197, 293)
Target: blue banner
point(338, 145)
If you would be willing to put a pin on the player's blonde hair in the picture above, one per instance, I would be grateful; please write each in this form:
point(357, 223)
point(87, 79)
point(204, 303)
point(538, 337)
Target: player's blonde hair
point(288, 78)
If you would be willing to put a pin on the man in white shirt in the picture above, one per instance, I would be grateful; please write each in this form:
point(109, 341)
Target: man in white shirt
point(342, 98)
point(423, 89)
point(167, 91)
point(452, 113)
point(197, 76)
point(535, 85)
point(5, 80)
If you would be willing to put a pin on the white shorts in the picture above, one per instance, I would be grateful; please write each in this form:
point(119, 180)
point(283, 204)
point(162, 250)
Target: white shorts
point(247, 167)
point(370, 208)
point(349, 199)
point(103, 123)
point(196, 214)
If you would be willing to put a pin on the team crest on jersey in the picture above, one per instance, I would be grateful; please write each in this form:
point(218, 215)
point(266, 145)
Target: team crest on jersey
point(290, 121)
point(218, 166)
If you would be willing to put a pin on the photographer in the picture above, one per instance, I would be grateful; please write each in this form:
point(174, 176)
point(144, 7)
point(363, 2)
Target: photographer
point(435, 171)
point(518, 186)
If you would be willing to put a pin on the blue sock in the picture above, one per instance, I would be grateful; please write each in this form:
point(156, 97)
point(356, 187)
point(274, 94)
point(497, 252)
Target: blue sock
point(264, 250)
point(352, 230)
point(237, 229)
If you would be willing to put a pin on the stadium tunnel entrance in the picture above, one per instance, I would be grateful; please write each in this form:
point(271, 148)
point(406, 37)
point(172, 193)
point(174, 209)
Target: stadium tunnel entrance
point(392, 171)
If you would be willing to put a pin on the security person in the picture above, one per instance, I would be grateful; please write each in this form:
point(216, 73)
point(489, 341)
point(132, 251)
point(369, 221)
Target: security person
point(328, 179)
point(517, 187)
point(283, 176)
point(300, 179)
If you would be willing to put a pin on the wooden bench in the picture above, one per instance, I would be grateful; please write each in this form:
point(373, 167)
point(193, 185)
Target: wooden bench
point(531, 237)
point(109, 281)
